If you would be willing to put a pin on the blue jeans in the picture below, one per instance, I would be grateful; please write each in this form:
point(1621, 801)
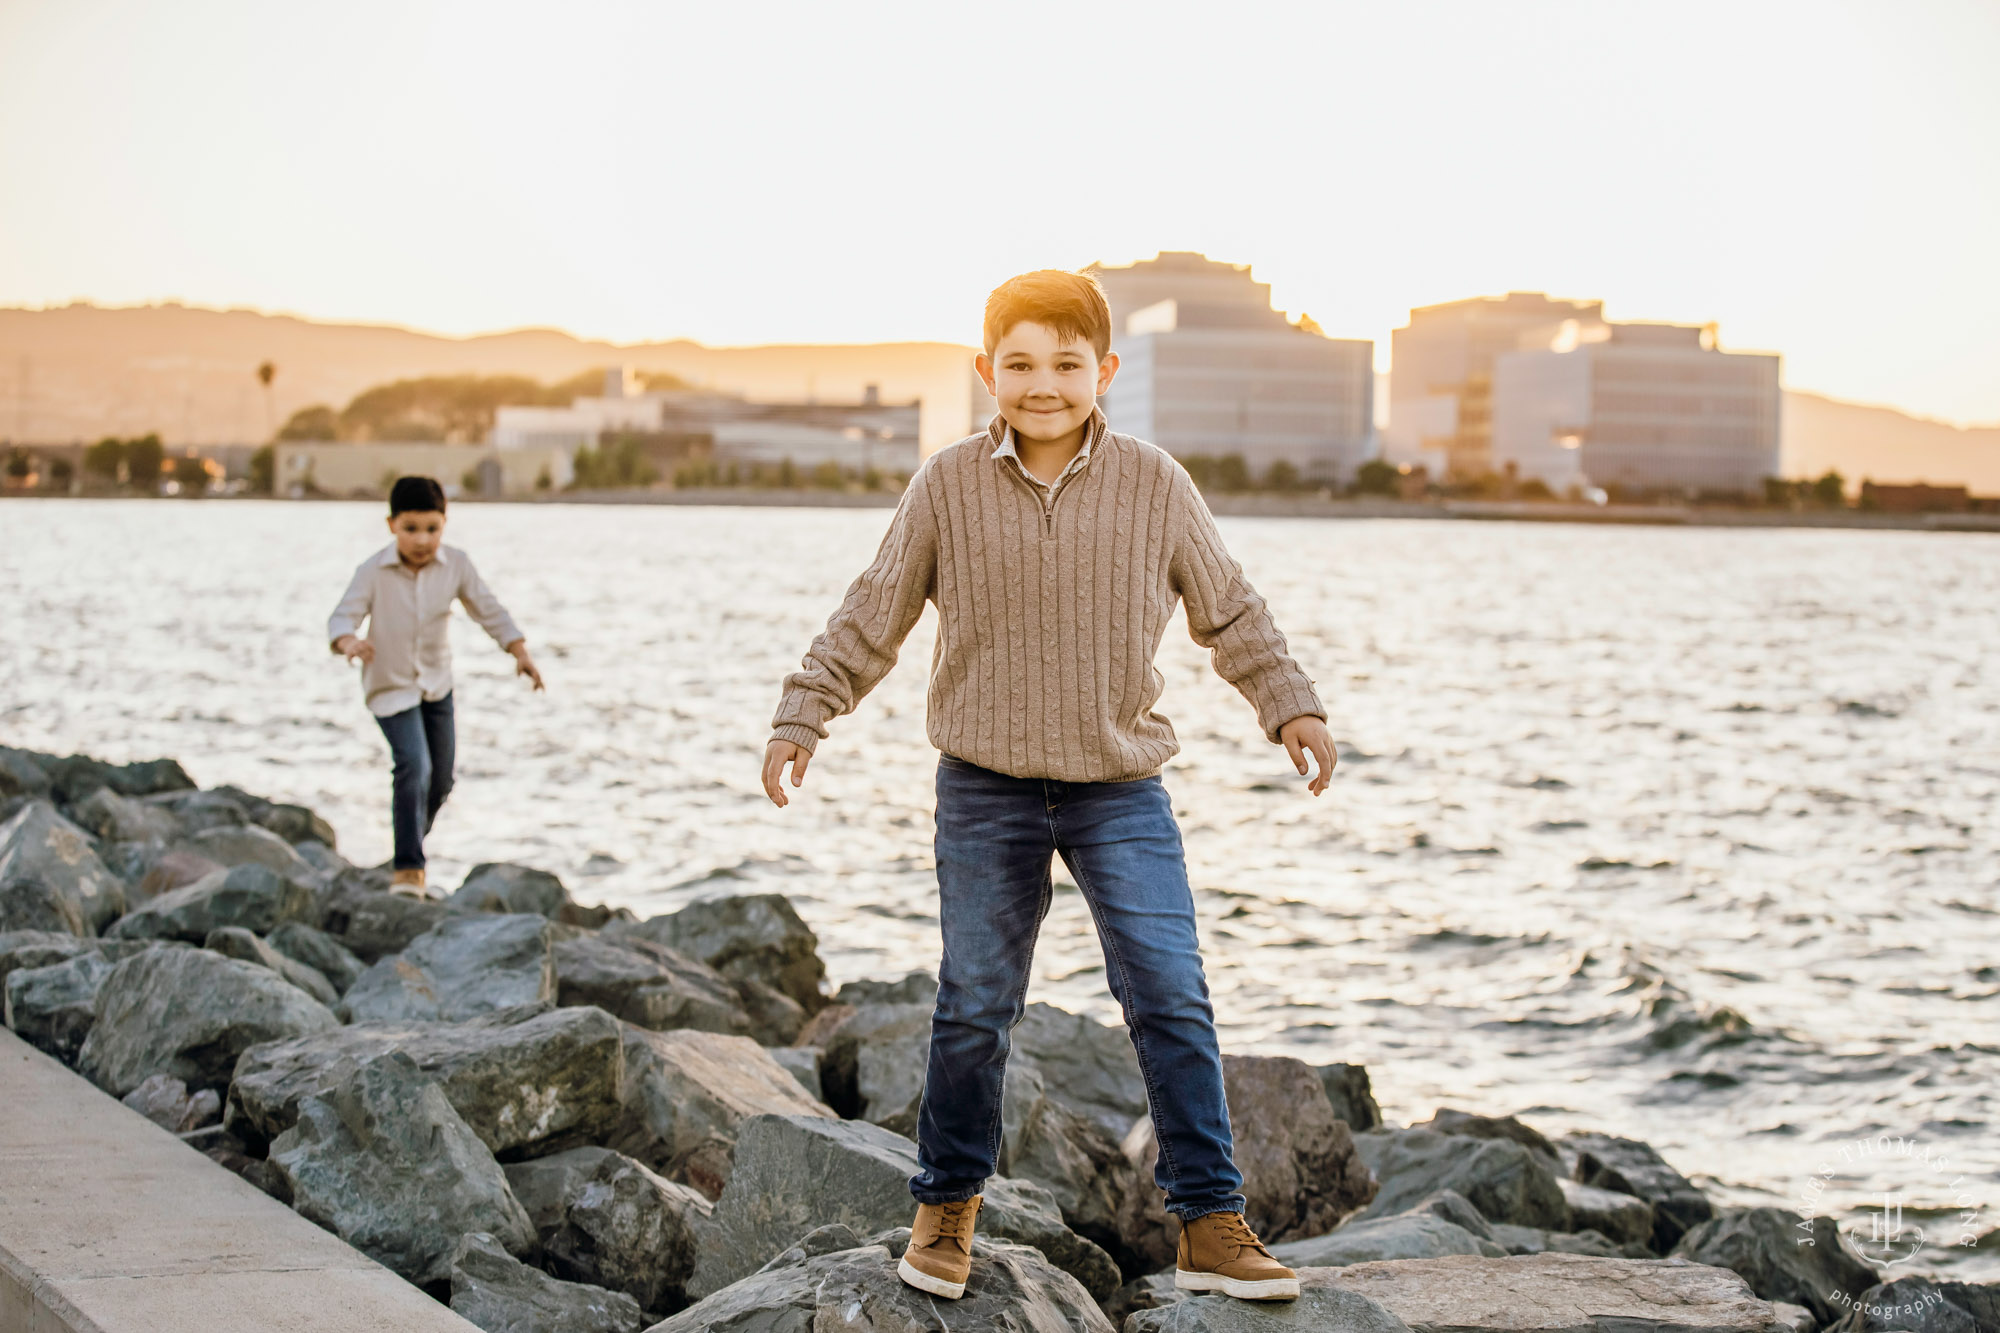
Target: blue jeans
point(996, 836)
point(422, 743)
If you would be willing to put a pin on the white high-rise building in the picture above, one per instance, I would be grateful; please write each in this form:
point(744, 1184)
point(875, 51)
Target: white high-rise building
point(1209, 368)
point(1637, 407)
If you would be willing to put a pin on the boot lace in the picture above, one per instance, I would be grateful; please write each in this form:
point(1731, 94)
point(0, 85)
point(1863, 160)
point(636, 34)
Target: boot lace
point(1231, 1227)
point(954, 1223)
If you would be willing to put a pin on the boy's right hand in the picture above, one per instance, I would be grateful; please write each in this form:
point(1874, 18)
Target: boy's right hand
point(353, 648)
point(776, 755)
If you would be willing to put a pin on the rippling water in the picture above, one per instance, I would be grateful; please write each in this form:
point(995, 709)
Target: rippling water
point(1682, 834)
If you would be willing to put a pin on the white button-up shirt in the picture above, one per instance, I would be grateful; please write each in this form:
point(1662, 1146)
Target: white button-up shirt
point(409, 621)
point(1007, 449)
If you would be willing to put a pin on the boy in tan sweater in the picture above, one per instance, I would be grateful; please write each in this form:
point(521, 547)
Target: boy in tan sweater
point(1054, 550)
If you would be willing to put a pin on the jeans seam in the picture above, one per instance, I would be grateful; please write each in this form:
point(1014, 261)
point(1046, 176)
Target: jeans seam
point(1138, 1036)
point(1020, 1011)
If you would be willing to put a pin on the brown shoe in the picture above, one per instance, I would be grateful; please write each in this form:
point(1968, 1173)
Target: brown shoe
point(940, 1255)
point(1219, 1252)
point(409, 883)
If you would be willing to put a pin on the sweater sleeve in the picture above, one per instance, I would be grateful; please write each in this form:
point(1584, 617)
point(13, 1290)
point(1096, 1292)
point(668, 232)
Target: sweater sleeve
point(862, 637)
point(1226, 616)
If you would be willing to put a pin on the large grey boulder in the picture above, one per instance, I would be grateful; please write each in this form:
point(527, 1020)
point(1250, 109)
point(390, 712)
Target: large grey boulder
point(750, 936)
point(1550, 1293)
point(74, 777)
point(524, 1080)
point(686, 1092)
point(198, 810)
point(53, 1007)
point(462, 967)
point(492, 1289)
point(1103, 1196)
point(253, 897)
point(1321, 1306)
point(1504, 1180)
point(872, 1057)
point(318, 951)
point(1301, 1174)
point(776, 1019)
point(166, 870)
point(166, 1101)
point(116, 818)
point(236, 942)
point(373, 922)
point(1768, 1247)
point(1404, 1236)
point(190, 1013)
point(1621, 1218)
point(248, 844)
point(1353, 1100)
point(39, 948)
point(22, 776)
point(802, 1063)
point(383, 1162)
point(499, 887)
point(1923, 1305)
point(1086, 1064)
point(912, 988)
point(39, 844)
point(647, 984)
point(1631, 1167)
point(605, 1219)
point(1539, 1240)
point(1013, 1289)
point(1446, 1120)
point(294, 823)
point(30, 903)
point(794, 1173)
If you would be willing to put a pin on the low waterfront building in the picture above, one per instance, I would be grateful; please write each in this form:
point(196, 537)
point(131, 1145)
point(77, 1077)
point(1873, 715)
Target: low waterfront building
point(1441, 375)
point(1209, 368)
point(331, 468)
point(1637, 408)
point(673, 426)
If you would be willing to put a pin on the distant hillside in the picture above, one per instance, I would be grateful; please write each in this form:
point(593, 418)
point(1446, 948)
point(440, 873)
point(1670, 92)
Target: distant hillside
point(1883, 444)
point(81, 372)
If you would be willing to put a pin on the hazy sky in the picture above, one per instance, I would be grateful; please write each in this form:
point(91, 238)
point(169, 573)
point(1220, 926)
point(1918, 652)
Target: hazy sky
point(1822, 178)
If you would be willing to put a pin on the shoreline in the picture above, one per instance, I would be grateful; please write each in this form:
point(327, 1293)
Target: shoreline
point(1255, 506)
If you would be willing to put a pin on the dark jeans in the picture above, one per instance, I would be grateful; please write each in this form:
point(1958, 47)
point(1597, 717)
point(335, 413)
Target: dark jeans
point(996, 836)
point(422, 743)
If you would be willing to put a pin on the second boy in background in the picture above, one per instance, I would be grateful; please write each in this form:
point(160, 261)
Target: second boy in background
point(404, 592)
point(1055, 550)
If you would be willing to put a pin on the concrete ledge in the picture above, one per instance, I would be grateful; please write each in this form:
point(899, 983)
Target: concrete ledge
point(109, 1224)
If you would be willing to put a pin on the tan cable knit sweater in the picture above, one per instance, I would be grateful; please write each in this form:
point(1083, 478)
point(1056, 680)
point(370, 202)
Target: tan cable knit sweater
point(1049, 614)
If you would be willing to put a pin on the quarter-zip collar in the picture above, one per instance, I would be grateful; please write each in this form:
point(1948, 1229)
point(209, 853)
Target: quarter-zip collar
point(1008, 457)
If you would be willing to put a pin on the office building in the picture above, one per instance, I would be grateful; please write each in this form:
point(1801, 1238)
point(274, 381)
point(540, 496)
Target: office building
point(1441, 375)
point(1209, 368)
point(1637, 408)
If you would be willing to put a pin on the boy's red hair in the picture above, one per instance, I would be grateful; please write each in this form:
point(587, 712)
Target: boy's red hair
point(1070, 303)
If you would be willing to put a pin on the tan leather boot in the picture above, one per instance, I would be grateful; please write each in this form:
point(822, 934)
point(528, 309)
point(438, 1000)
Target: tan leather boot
point(409, 883)
point(940, 1255)
point(1220, 1252)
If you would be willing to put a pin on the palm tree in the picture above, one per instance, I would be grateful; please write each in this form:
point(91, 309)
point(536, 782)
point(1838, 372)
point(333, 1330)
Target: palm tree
point(266, 372)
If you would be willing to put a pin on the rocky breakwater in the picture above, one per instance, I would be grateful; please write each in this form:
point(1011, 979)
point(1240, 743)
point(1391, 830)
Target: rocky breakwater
point(557, 1117)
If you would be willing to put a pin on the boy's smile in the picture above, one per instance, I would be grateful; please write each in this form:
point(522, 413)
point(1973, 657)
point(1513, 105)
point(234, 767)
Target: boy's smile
point(1046, 385)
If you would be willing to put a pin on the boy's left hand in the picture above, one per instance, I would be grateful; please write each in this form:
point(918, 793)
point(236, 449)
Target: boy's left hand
point(1309, 733)
point(524, 665)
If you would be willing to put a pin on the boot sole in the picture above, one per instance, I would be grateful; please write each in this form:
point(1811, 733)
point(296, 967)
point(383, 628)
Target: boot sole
point(1269, 1289)
point(936, 1286)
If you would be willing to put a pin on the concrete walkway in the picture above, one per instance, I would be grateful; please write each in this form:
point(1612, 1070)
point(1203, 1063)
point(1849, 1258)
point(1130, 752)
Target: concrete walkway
point(110, 1224)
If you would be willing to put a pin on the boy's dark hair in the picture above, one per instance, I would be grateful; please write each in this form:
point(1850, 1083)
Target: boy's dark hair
point(1070, 303)
point(418, 494)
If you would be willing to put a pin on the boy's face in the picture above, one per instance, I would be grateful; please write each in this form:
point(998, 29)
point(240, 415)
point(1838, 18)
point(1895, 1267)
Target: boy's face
point(1046, 384)
point(419, 533)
